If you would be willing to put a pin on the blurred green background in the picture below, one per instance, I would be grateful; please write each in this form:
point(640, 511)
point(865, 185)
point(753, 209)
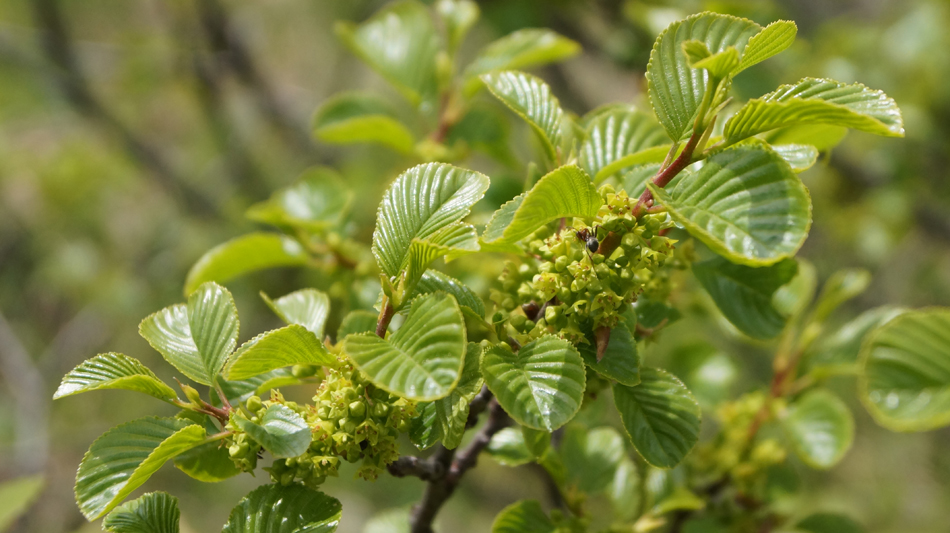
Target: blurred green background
point(134, 133)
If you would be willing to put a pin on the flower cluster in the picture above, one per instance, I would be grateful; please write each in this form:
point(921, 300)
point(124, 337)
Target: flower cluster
point(583, 277)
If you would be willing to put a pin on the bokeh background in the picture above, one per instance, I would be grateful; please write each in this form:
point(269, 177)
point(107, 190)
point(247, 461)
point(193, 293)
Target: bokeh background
point(134, 133)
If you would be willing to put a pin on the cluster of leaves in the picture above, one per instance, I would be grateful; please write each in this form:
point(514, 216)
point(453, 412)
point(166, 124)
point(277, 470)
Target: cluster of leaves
point(598, 248)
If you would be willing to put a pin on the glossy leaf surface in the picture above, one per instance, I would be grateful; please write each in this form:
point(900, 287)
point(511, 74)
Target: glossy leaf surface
point(531, 99)
point(423, 360)
point(615, 138)
point(113, 371)
point(290, 509)
point(287, 346)
point(820, 428)
point(155, 512)
point(525, 516)
point(541, 386)
point(521, 49)
point(621, 361)
point(317, 201)
point(660, 415)
point(745, 203)
point(773, 39)
point(444, 420)
point(306, 307)
point(281, 431)
point(361, 118)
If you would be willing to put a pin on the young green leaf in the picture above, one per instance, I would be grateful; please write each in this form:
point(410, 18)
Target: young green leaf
point(624, 490)
point(361, 118)
point(541, 386)
point(592, 457)
point(155, 512)
point(564, 192)
point(509, 449)
point(444, 420)
point(451, 242)
point(243, 255)
point(423, 360)
point(124, 457)
point(399, 42)
point(621, 362)
point(458, 17)
point(800, 157)
point(719, 65)
point(634, 181)
point(317, 201)
point(817, 101)
point(435, 281)
point(660, 415)
point(618, 138)
point(306, 307)
point(525, 48)
point(676, 90)
point(358, 321)
point(279, 509)
point(114, 371)
point(16, 497)
point(208, 463)
point(773, 39)
point(421, 203)
point(525, 516)
point(841, 348)
point(281, 431)
point(745, 294)
point(820, 428)
point(287, 346)
point(745, 203)
point(531, 99)
point(905, 378)
point(842, 286)
point(197, 338)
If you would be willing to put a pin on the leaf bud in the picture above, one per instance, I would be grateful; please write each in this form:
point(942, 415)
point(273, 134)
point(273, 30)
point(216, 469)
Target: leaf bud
point(254, 404)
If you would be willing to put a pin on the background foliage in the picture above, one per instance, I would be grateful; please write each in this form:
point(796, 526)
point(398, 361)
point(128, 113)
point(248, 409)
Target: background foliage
point(134, 134)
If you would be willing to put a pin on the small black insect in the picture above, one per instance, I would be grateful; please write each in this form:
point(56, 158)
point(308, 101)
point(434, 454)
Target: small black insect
point(589, 237)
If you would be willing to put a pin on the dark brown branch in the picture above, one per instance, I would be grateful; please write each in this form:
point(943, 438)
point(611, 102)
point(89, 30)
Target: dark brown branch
point(410, 465)
point(385, 317)
point(68, 74)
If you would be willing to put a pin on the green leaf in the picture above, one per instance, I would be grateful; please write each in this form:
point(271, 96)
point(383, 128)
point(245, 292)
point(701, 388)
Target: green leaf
point(240, 390)
point(621, 361)
point(289, 345)
point(306, 307)
point(16, 497)
point(155, 512)
point(660, 415)
point(652, 314)
point(624, 490)
point(745, 203)
point(525, 48)
point(564, 192)
point(676, 90)
point(592, 456)
point(508, 448)
point(634, 181)
point(423, 360)
point(773, 39)
point(317, 201)
point(817, 101)
point(281, 431)
point(745, 294)
point(421, 203)
point(541, 386)
point(842, 347)
point(681, 499)
point(708, 373)
point(113, 371)
point(800, 157)
point(458, 16)
point(486, 128)
point(822, 136)
point(197, 338)
point(444, 420)
point(621, 137)
point(842, 286)
point(435, 281)
point(124, 457)
point(361, 118)
point(719, 65)
point(820, 428)
point(829, 523)
point(358, 321)
point(531, 99)
point(290, 509)
point(209, 463)
point(243, 255)
point(905, 380)
point(399, 42)
point(525, 516)
point(451, 241)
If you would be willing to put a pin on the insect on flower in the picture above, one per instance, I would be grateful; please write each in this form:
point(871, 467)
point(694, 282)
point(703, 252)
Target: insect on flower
point(589, 237)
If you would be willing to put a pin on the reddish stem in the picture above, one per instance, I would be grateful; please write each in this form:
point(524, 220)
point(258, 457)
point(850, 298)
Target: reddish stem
point(665, 175)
